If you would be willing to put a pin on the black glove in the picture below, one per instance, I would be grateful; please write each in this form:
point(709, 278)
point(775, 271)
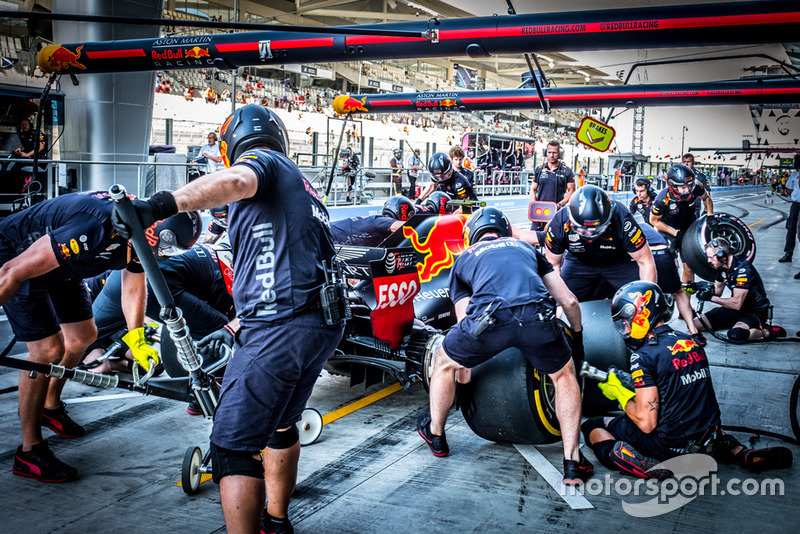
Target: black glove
point(704, 294)
point(679, 237)
point(211, 345)
point(159, 206)
point(712, 223)
point(418, 201)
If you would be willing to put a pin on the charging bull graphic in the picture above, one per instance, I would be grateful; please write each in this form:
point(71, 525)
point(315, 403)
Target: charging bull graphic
point(439, 247)
point(197, 52)
point(640, 324)
point(57, 58)
point(344, 104)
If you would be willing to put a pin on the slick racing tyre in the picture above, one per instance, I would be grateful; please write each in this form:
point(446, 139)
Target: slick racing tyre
point(693, 247)
point(511, 402)
point(603, 347)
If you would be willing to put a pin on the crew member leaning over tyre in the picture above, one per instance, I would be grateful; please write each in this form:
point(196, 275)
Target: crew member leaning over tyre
point(673, 210)
point(673, 407)
point(523, 318)
point(596, 241)
point(746, 311)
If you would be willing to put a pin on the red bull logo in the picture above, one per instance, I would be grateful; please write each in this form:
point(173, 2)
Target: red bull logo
point(682, 345)
point(347, 104)
point(448, 103)
point(440, 247)
point(640, 324)
point(197, 52)
point(58, 58)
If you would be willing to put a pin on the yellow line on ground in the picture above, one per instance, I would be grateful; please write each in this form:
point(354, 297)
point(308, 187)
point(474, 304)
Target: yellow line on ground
point(755, 223)
point(357, 405)
point(338, 414)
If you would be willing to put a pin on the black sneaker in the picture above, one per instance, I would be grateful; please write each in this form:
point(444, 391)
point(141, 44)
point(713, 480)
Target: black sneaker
point(576, 473)
point(41, 464)
point(61, 423)
point(273, 525)
point(797, 276)
point(785, 259)
point(775, 331)
point(437, 444)
point(630, 461)
point(763, 459)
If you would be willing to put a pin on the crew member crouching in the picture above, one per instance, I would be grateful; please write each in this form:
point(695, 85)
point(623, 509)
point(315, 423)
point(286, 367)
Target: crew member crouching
point(746, 312)
point(674, 407)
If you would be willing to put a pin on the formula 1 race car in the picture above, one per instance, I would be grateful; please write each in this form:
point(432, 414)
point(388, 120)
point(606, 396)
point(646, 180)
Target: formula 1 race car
point(401, 309)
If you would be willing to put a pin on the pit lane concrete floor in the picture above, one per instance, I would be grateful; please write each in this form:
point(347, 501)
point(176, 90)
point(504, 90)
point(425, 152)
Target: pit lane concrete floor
point(370, 472)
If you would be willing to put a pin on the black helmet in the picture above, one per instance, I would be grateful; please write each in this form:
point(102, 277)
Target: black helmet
point(398, 207)
point(681, 181)
point(440, 167)
point(589, 211)
point(251, 126)
point(219, 216)
point(486, 220)
point(637, 307)
point(397, 152)
point(175, 235)
point(437, 203)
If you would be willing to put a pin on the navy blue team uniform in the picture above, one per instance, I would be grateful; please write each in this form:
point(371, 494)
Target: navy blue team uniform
point(458, 187)
point(587, 264)
point(280, 238)
point(362, 231)
point(523, 320)
point(638, 206)
point(679, 214)
point(669, 280)
point(688, 407)
point(195, 281)
point(755, 308)
point(551, 185)
point(85, 245)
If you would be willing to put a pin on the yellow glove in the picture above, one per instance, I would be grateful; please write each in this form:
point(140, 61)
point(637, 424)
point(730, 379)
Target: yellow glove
point(142, 352)
point(614, 390)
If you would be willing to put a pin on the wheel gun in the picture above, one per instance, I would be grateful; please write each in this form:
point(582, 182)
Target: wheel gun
point(589, 371)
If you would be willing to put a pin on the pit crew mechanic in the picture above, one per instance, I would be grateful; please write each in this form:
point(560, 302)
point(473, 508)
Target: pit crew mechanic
point(642, 203)
point(447, 180)
point(597, 240)
point(673, 209)
point(279, 232)
point(553, 181)
point(367, 231)
point(524, 318)
point(688, 160)
point(746, 311)
point(46, 251)
point(195, 280)
point(673, 406)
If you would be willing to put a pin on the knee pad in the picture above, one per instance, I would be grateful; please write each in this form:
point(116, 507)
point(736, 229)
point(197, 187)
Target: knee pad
point(285, 439)
point(738, 334)
point(225, 462)
point(591, 424)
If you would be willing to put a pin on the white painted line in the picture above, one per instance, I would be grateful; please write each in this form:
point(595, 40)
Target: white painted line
point(553, 477)
point(98, 398)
